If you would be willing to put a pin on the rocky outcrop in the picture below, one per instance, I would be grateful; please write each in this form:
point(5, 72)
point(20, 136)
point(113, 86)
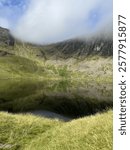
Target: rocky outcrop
point(5, 37)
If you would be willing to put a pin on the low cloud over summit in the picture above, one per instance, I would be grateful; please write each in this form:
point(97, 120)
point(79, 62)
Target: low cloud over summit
point(48, 21)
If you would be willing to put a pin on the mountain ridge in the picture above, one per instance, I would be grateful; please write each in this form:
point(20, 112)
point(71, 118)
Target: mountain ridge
point(66, 49)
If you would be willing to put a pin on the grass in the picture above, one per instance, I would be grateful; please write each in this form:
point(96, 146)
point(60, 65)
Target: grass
point(26, 132)
point(20, 67)
point(13, 66)
point(17, 131)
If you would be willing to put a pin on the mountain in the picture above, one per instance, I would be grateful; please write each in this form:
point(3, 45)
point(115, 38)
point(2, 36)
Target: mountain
point(66, 49)
point(78, 48)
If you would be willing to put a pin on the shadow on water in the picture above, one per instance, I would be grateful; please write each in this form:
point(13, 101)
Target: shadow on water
point(67, 97)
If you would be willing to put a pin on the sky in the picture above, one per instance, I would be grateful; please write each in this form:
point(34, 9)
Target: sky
point(49, 21)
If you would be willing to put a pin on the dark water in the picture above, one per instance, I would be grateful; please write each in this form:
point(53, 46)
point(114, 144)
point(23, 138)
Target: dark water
point(68, 97)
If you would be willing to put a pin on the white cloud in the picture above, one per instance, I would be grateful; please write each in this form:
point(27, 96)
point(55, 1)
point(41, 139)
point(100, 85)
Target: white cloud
point(47, 21)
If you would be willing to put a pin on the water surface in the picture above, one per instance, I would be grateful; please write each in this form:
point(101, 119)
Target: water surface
point(69, 97)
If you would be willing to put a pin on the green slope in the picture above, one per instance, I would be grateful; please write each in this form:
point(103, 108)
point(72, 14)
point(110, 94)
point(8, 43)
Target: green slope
point(26, 132)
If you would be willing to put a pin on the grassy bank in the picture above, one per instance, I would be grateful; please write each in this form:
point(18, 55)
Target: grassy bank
point(26, 132)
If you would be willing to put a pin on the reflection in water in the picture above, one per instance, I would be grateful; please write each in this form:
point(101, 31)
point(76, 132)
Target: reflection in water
point(69, 97)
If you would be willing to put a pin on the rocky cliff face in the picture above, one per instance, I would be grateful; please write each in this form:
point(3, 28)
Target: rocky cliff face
point(5, 37)
point(96, 46)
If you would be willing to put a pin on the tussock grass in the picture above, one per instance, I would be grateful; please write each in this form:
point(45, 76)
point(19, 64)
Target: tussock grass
point(19, 130)
point(26, 132)
point(90, 133)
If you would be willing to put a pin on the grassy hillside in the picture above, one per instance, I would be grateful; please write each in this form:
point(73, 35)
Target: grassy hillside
point(20, 64)
point(26, 132)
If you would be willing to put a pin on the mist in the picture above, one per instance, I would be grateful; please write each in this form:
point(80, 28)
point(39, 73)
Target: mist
point(50, 21)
